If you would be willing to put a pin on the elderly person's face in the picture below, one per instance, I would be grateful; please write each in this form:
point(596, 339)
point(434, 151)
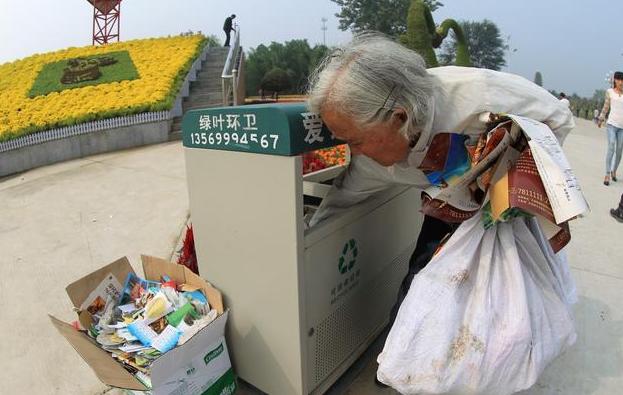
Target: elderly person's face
point(381, 141)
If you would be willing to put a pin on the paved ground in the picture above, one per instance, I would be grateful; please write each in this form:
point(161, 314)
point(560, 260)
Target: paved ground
point(60, 222)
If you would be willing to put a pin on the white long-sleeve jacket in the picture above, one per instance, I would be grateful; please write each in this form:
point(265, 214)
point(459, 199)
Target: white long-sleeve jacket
point(462, 98)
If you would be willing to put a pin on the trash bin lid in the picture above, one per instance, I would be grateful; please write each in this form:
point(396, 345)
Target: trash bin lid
point(276, 129)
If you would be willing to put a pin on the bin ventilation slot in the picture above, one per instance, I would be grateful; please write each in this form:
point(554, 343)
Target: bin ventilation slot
point(341, 333)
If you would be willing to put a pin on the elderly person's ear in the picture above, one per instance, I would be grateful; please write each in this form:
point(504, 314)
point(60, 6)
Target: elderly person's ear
point(399, 115)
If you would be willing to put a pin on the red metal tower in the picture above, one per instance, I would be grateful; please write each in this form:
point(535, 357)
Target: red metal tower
point(106, 19)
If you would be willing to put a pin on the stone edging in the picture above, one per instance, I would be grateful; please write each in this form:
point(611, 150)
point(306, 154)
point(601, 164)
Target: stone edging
point(86, 127)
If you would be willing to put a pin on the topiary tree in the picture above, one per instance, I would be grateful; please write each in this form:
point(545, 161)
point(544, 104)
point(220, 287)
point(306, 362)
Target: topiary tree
point(420, 32)
point(538, 78)
point(486, 44)
point(423, 36)
point(276, 80)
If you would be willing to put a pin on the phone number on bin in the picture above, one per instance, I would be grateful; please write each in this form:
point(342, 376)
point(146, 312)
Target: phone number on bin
point(265, 141)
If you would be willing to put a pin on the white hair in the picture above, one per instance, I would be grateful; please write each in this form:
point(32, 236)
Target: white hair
point(369, 78)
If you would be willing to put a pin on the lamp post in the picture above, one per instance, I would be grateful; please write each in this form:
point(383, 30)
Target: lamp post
point(324, 30)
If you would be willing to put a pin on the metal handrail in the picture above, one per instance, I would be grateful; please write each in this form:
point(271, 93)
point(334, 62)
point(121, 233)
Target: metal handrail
point(230, 70)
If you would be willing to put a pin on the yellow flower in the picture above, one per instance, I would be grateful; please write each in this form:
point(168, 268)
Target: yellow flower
point(157, 61)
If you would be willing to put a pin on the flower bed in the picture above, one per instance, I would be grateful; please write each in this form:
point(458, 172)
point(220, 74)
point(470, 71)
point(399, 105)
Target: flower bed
point(321, 159)
point(161, 64)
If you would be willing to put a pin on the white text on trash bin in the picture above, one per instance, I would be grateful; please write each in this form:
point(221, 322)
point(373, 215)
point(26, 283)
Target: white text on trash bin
point(259, 140)
point(313, 125)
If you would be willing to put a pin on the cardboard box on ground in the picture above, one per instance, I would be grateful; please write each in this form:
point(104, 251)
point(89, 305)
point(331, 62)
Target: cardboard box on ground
point(199, 366)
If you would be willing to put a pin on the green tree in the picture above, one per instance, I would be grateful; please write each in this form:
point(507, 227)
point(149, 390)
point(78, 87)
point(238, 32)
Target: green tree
point(485, 42)
point(598, 98)
point(385, 16)
point(298, 58)
point(538, 78)
point(585, 106)
point(258, 63)
point(295, 57)
point(276, 80)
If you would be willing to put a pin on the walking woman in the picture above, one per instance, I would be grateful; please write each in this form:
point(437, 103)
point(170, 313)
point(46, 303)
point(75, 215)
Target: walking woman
point(614, 126)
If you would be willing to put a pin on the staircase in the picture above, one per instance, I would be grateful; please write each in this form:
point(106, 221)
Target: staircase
point(206, 91)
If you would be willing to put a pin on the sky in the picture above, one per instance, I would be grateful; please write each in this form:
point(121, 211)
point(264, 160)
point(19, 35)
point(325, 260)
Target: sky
point(573, 43)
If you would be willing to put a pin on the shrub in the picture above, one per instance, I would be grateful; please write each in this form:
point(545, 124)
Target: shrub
point(276, 80)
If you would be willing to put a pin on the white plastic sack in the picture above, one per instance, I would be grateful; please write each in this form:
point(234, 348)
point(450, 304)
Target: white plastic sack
point(485, 316)
point(565, 285)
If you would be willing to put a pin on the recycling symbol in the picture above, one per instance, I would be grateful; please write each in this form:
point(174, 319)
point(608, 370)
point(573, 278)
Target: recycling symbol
point(348, 257)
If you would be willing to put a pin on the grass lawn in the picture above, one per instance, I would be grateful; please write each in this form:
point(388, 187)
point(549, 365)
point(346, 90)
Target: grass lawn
point(49, 78)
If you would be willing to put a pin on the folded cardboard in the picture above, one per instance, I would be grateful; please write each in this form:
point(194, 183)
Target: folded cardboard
point(199, 366)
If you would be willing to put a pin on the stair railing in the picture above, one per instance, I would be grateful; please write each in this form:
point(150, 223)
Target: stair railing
point(230, 75)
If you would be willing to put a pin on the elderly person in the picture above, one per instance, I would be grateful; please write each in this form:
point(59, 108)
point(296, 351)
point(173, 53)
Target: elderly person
point(378, 96)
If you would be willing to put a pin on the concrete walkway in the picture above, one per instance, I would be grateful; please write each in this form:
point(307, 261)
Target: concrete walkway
point(63, 221)
point(60, 223)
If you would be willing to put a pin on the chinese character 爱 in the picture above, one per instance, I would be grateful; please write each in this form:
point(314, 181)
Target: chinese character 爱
point(313, 125)
point(205, 122)
point(233, 121)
